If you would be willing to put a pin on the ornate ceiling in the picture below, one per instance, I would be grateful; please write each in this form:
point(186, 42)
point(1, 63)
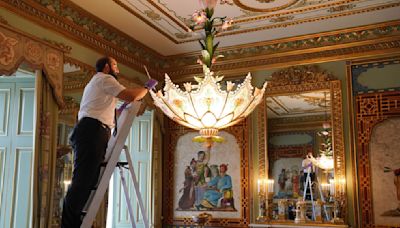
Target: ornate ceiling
point(266, 33)
point(297, 105)
point(162, 24)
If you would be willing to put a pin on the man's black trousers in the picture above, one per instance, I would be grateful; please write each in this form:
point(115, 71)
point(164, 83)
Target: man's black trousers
point(89, 140)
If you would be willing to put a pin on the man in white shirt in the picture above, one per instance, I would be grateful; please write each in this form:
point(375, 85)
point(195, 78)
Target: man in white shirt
point(91, 134)
point(308, 168)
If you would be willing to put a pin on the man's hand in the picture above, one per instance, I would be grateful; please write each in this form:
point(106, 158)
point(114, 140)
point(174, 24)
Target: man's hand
point(151, 84)
point(134, 94)
point(122, 107)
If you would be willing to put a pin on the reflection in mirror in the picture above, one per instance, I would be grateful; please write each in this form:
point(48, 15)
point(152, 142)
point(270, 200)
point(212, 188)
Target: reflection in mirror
point(74, 79)
point(299, 126)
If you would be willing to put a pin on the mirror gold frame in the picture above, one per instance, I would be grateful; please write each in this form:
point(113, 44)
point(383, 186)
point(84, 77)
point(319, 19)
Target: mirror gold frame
point(301, 79)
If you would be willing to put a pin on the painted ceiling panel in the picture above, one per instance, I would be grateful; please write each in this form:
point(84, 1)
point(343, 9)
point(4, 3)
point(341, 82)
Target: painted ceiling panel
point(296, 105)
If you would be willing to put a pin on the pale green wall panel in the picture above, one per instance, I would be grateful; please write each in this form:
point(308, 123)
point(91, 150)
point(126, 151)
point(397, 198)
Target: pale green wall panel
point(26, 106)
point(22, 186)
point(5, 106)
point(2, 171)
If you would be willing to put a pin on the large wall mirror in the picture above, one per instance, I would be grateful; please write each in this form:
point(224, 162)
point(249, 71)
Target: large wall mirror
point(301, 150)
point(75, 76)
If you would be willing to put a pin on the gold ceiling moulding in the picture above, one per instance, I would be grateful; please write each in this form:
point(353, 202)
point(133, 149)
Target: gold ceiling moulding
point(145, 20)
point(293, 11)
point(262, 17)
point(334, 53)
point(307, 20)
point(296, 38)
point(245, 7)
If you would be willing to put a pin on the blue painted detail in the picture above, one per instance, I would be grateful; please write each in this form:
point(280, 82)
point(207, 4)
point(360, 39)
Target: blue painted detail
point(357, 70)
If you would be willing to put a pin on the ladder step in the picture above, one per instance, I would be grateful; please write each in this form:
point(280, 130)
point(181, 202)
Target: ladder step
point(122, 164)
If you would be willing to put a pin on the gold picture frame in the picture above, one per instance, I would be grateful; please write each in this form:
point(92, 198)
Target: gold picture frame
point(306, 79)
point(241, 132)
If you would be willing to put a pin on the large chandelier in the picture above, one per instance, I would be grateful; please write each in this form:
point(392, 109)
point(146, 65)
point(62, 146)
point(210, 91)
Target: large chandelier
point(205, 106)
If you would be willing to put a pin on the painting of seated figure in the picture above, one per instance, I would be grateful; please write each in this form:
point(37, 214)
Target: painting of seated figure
point(207, 180)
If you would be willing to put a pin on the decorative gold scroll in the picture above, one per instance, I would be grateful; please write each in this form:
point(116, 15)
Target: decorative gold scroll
point(17, 47)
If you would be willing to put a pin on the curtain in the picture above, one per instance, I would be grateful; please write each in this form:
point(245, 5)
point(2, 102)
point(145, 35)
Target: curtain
point(45, 152)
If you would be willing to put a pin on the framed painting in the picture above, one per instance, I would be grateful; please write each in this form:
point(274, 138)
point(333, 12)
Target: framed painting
point(197, 180)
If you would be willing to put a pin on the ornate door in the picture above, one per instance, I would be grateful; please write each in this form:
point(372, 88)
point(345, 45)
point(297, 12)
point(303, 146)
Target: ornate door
point(17, 114)
point(140, 146)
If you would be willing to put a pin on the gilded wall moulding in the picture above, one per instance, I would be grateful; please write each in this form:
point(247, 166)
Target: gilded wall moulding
point(299, 75)
point(70, 20)
point(71, 106)
point(334, 53)
point(66, 48)
point(3, 21)
point(17, 47)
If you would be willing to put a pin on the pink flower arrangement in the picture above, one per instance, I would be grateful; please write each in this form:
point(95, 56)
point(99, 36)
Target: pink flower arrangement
point(205, 19)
